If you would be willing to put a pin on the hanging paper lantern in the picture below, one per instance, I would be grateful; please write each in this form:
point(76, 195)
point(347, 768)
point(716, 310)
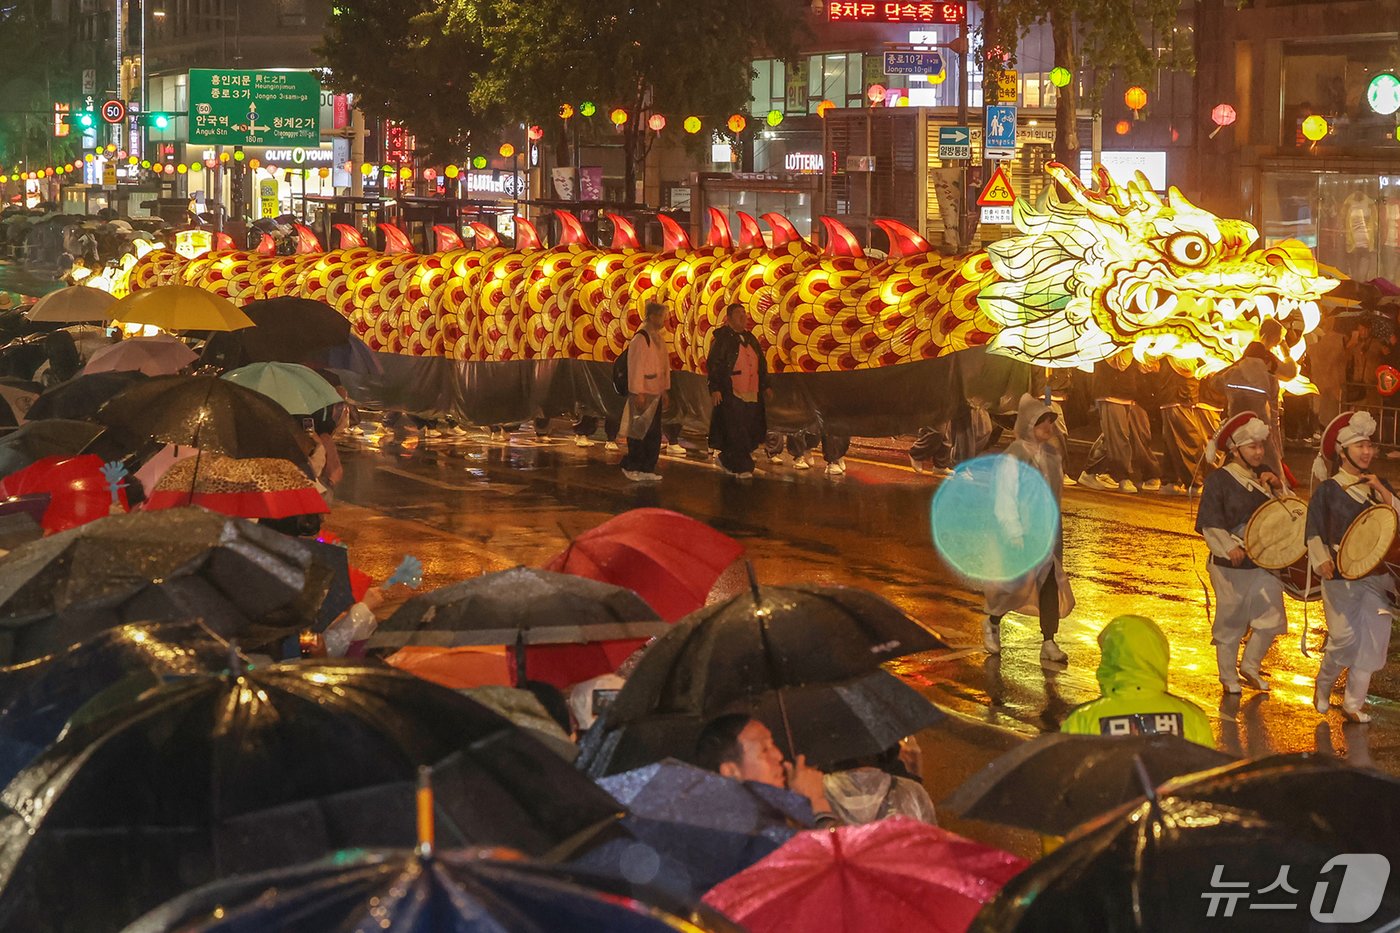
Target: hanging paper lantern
point(48, 172)
point(691, 125)
point(737, 123)
point(656, 123)
point(223, 157)
point(182, 168)
point(132, 160)
point(536, 133)
point(824, 107)
point(1222, 115)
point(145, 163)
point(89, 157)
point(212, 163)
point(1315, 127)
point(938, 78)
point(239, 155)
point(1135, 97)
point(111, 147)
point(452, 171)
point(196, 166)
point(429, 174)
point(876, 93)
point(366, 169)
point(253, 164)
point(1122, 127)
point(405, 173)
point(618, 116)
point(566, 111)
point(588, 108)
point(775, 117)
point(386, 170)
point(507, 150)
point(479, 162)
point(59, 171)
point(1060, 76)
point(324, 172)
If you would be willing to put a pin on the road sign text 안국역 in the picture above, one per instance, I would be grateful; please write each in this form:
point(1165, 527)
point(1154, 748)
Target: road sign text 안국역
point(254, 108)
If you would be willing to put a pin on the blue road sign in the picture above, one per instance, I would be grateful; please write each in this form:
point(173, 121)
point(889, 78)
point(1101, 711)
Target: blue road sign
point(913, 63)
point(999, 137)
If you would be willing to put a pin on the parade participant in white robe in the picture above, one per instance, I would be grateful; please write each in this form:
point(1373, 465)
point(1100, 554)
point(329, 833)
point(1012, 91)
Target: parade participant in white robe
point(1045, 590)
point(1248, 599)
point(1358, 611)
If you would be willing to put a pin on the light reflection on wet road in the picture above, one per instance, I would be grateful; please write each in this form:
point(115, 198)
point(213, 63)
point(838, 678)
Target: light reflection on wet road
point(479, 506)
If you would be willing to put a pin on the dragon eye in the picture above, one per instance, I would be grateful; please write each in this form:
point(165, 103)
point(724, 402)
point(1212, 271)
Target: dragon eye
point(1188, 249)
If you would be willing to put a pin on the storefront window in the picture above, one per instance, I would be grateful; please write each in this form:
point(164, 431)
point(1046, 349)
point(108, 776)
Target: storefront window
point(836, 77)
point(768, 88)
point(1350, 221)
point(1329, 78)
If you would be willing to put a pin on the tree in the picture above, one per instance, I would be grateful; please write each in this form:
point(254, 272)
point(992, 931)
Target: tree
point(675, 57)
point(32, 84)
point(1134, 38)
point(402, 62)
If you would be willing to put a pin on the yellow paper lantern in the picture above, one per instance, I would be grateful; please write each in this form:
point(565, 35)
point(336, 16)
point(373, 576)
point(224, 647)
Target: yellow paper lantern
point(254, 163)
point(1315, 127)
point(566, 111)
point(1135, 97)
point(507, 151)
point(405, 173)
point(451, 171)
point(223, 157)
point(196, 167)
point(618, 116)
point(182, 168)
point(737, 123)
point(775, 117)
point(1122, 127)
point(366, 168)
point(824, 107)
point(324, 172)
point(692, 125)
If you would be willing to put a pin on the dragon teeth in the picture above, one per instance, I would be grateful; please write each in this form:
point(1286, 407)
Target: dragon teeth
point(1312, 315)
point(1265, 306)
point(1226, 307)
point(1169, 305)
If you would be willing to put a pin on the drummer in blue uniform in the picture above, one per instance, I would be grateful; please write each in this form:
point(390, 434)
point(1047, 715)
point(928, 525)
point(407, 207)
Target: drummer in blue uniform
point(1358, 611)
point(1248, 599)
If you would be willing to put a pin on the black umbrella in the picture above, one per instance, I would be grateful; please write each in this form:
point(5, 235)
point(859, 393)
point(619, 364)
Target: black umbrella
point(695, 827)
point(772, 638)
point(291, 330)
point(1054, 782)
point(1215, 845)
point(830, 723)
point(39, 439)
point(208, 413)
point(216, 775)
point(38, 698)
point(79, 398)
point(242, 579)
point(520, 607)
point(462, 891)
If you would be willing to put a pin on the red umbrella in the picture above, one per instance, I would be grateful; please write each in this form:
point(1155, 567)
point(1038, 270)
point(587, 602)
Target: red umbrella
point(668, 559)
point(77, 490)
point(895, 874)
point(257, 487)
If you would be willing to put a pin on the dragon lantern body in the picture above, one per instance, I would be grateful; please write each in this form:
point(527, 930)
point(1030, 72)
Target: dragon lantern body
point(1088, 275)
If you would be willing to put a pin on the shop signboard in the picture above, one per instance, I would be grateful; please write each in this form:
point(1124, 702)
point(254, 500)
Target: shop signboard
point(251, 108)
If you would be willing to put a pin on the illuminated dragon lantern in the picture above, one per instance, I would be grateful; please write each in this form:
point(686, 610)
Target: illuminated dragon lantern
point(1090, 273)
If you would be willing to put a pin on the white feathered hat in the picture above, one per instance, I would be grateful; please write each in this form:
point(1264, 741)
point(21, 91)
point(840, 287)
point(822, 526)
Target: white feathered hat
point(1244, 428)
point(1346, 429)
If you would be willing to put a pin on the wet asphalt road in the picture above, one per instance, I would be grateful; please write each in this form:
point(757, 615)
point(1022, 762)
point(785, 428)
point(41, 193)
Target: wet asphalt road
point(465, 505)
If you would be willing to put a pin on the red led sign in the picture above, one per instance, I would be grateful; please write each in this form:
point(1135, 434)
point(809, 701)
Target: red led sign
point(919, 11)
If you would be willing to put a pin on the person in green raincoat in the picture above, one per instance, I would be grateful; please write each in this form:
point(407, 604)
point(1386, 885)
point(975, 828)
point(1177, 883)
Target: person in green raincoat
point(1133, 678)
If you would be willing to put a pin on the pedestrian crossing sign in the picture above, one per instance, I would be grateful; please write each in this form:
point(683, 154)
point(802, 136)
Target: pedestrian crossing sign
point(998, 192)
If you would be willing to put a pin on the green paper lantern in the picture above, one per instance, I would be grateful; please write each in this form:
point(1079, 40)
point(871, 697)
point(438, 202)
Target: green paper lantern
point(1060, 76)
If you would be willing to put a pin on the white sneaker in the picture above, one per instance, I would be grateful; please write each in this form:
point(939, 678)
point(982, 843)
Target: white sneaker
point(801, 463)
point(747, 474)
point(1152, 485)
point(1071, 481)
point(1255, 680)
point(432, 432)
point(458, 430)
point(991, 636)
point(836, 468)
point(1174, 489)
point(635, 477)
point(1322, 702)
point(1355, 715)
point(652, 477)
point(1049, 651)
point(675, 450)
point(1100, 481)
point(1127, 486)
point(582, 441)
point(611, 445)
point(918, 467)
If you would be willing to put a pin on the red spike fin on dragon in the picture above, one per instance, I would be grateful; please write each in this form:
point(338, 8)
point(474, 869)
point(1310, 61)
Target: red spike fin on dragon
point(1084, 274)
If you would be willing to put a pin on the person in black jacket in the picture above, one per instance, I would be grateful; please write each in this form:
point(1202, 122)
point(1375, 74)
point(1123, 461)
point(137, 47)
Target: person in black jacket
point(738, 380)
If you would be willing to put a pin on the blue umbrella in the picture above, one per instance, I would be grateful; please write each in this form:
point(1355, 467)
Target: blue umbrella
point(689, 829)
point(297, 388)
point(397, 892)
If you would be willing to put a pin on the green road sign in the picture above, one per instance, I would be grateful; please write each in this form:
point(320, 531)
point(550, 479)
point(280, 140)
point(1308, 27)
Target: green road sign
point(254, 108)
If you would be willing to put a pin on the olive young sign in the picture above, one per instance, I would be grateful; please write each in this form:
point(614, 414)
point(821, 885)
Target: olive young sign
point(254, 108)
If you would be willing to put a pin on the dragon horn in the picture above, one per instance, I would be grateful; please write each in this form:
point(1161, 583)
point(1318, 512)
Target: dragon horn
point(840, 241)
point(749, 233)
point(719, 230)
point(624, 234)
point(1178, 200)
point(395, 240)
point(1144, 187)
point(1095, 203)
point(349, 237)
point(485, 236)
point(673, 234)
point(903, 240)
point(267, 246)
point(307, 241)
point(445, 238)
point(526, 236)
point(572, 230)
point(783, 230)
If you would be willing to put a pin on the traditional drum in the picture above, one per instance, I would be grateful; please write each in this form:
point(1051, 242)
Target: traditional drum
point(1274, 536)
point(1297, 582)
point(1369, 543)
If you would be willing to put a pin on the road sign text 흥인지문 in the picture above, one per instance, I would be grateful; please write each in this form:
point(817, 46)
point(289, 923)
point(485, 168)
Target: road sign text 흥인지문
point(955, 142)
point(254, 108)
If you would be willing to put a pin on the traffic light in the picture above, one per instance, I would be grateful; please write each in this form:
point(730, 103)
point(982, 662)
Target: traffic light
point(86, 120)
point(158, 121)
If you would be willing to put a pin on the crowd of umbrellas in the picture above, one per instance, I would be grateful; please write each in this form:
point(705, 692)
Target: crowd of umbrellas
point(172, 762)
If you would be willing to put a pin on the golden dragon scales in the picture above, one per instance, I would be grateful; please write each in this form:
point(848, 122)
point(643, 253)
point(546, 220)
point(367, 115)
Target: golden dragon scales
point(1090, 272)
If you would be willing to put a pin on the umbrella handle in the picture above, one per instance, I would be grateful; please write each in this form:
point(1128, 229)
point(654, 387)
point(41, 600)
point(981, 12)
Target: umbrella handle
point(424, 801)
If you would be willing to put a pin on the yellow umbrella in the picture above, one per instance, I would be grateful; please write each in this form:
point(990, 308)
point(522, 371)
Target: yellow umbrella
point(179, 307)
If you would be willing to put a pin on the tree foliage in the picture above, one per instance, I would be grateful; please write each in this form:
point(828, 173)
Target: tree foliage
point(31, 84)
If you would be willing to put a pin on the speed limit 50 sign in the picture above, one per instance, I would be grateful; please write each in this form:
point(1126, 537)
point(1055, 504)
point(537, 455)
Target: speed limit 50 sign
point(114, 111)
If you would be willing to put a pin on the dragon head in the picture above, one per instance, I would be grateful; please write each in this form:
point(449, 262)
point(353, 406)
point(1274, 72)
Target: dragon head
point(1119, 268)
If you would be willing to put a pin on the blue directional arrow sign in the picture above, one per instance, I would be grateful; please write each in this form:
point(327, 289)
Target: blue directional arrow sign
point(914, 63)
point(999, 141)
point(954, 142)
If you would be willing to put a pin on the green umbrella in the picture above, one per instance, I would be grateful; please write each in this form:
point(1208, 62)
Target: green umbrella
point(296, 388)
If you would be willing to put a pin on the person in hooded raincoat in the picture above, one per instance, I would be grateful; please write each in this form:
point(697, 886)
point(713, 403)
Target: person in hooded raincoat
point(861, 791)
point(1358, 611)
point(1045, 590)
point(1133, 680)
